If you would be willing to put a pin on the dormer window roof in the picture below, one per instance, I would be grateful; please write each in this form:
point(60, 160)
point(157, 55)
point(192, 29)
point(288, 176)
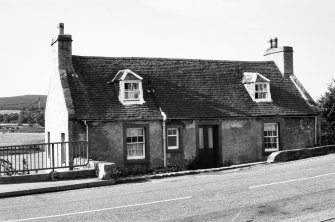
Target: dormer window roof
point(126, 73)
point(258, 86)
point(130, 87)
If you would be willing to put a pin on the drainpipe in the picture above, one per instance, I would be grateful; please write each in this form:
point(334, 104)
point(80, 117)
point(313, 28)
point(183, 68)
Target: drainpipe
point(85, 123)
point(164, 135)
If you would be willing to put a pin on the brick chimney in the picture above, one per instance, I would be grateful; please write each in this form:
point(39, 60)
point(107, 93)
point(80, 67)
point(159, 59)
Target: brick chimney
point(62, 49)
point(282, 56)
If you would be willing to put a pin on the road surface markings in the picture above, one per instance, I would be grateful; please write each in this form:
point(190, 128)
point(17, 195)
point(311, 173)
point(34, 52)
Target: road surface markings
point(103, 209)
point(288, 181)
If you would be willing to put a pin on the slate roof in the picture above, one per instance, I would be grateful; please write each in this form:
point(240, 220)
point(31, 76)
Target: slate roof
point(184, 89)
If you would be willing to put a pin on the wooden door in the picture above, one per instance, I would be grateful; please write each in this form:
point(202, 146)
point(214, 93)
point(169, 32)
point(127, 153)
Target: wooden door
point(208, 146)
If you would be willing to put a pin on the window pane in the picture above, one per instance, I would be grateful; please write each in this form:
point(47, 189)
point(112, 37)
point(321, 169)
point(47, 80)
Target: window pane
point(135, 86)
point(172, 132)
point(172, 141)
point(210, 137)
point(140, 139)
point(201, 138)
point(128, 139)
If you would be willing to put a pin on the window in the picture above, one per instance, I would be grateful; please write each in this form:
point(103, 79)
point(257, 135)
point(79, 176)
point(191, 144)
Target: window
point(131, 91)
point(261, 91)
point(173, 138)
point(271, 142)
point(135, 143)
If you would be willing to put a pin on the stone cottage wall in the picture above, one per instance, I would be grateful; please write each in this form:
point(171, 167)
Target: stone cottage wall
point(241, 141)
point(106, 143)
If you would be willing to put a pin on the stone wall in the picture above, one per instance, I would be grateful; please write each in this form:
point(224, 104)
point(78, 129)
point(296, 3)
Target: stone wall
point(299, 133)
point(241, 141)
point(187, 154)
point(107, 139)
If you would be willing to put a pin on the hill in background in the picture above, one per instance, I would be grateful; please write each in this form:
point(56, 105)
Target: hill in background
point(23, 102)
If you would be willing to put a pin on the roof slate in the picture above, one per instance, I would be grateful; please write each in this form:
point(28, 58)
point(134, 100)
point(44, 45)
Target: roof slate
point(183, 88)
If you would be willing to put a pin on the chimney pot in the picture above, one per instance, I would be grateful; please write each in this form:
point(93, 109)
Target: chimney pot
point(273, 43)
point(61, 28)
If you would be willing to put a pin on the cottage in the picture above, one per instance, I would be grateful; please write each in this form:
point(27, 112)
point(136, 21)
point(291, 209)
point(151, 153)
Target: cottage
point(144, 113)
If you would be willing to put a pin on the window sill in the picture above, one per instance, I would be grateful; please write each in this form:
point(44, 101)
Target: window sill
point(136, 161)
point(263, 100)
point(179, 150)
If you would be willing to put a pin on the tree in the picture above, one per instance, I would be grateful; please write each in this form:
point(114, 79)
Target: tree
point(327, 113)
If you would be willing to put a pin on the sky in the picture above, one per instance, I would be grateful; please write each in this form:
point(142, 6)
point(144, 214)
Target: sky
point(198, 29)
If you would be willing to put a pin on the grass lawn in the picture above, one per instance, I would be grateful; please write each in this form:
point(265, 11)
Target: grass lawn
point(7, 139)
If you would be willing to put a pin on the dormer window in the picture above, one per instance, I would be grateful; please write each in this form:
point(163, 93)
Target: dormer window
point(257, 86)
point(130, 87)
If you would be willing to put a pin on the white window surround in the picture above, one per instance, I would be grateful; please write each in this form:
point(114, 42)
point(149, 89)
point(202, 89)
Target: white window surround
point(271, 137)
point(257, 86)
point(173, 135)
point(132, 95)
point(135, 143)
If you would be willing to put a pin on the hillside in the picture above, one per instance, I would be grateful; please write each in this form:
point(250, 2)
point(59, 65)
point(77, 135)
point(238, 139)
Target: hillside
point(21, 102)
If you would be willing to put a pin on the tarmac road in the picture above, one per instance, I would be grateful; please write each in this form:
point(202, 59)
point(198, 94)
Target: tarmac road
point(302, 190)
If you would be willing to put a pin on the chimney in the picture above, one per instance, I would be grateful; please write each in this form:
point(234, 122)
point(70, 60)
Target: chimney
point(282, 56)
point(62, 49)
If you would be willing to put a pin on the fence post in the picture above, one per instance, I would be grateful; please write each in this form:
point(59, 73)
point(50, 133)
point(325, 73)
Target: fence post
point(53, 156)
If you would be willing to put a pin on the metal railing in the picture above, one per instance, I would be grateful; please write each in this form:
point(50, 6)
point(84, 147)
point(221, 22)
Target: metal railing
point(22, 159)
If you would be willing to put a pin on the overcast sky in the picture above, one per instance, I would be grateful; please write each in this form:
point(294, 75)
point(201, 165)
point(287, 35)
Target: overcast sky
point(203, 29)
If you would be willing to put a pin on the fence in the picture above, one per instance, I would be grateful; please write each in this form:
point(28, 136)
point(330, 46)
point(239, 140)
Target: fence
point(22, 159)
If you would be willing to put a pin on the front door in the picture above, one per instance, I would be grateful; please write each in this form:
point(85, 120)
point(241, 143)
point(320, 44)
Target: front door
point(208, 146)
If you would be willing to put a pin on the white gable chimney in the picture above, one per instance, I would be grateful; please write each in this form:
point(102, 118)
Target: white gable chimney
point(282, 56)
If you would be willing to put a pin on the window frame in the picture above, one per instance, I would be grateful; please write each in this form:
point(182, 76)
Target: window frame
point(132, 91)
point(142, 160)
point(133, 143)
point(257, 84)
point(179, 139)
point(269, 150)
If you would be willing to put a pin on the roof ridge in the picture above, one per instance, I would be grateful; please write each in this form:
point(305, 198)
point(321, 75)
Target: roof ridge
point(171, 59)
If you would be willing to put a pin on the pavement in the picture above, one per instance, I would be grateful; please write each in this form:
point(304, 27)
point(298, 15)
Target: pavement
point(20, 189)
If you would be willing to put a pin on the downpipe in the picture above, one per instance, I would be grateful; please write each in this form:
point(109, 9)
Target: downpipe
point(164, 135)
point(85, 123)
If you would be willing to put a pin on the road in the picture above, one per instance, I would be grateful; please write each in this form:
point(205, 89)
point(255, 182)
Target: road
point(302, 190)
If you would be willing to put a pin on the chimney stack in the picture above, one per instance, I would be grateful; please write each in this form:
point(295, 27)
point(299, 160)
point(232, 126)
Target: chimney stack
point(282, 56)
point(62, 49)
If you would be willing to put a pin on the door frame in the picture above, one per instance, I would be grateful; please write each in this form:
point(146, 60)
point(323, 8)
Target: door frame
point(218, 124)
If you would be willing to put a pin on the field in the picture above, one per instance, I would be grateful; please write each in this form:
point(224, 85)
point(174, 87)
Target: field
point(7, 139)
